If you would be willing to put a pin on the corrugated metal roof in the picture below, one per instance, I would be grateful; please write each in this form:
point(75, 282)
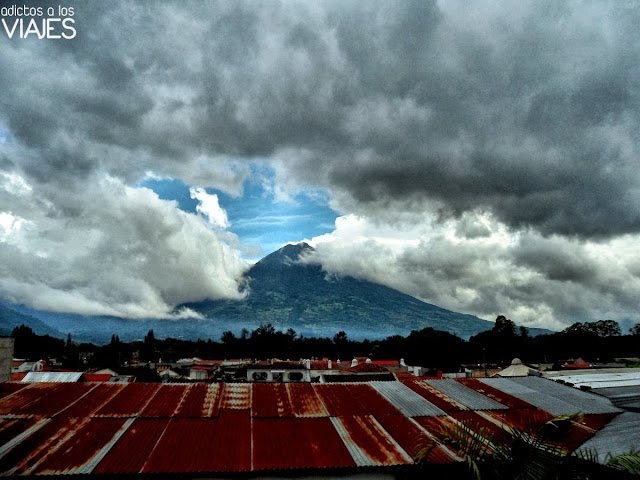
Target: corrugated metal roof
point(620, 436)
point(601, 380)
point(622, 397)
point(338, 400)
point(97, 377)
point(271, 400)
point(61, 446)
point(51, 377)
point(433, 395)
point(585, 401)
point(236, 395)
point(371, 400)
point(21, 399)
point(10, 388)
point(205, 428)
point(77, 455)
point(498, 395)
point(521, 419)
point(551, 396)
point(305, 401)
point(464, 395)
point(130, 401)
point(478, 421)
point(133, 449)
point(192, 402)
point(368, 443)
point(413, 438)
point(190, 445)
point(13, 431)
point(165, 403)
point(96, 398)
point(58, 398)
point(406, 400)
point(286, 443)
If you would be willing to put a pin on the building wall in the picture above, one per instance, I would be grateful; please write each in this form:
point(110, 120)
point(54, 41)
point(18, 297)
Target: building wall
point(6, 358)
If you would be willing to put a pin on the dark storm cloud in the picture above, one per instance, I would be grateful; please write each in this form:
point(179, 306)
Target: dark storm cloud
point(529, 112)
point(523, 113)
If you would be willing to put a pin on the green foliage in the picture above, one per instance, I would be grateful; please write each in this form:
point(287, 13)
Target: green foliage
point(601, 328)
point(502, 343)
point(627, 462)
point(34, 347)
point(531, 455)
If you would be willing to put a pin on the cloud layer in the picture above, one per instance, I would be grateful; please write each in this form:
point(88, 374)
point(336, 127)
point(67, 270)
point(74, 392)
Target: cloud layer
point(486, 121)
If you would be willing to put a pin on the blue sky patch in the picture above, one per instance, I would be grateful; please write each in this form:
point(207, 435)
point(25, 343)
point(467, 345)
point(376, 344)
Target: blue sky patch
point(256, 216)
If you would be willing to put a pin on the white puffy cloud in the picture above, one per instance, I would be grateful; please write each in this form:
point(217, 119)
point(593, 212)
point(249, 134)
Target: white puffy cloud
point(210, 206)
point(122, 252)
point(547, 282)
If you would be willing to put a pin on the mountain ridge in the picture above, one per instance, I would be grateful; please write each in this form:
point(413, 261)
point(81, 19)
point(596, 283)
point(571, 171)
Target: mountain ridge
point(302, 296)
point(282, 291)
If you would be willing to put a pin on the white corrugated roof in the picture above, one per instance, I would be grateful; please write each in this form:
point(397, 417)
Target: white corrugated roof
point(601, 380)
point(52, 377)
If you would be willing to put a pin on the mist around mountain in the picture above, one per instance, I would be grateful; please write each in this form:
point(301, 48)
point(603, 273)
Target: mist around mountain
point(301, 296)
point(281, 291)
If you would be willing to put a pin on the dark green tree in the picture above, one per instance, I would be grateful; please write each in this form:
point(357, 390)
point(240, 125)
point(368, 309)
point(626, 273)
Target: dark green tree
point(148, 352)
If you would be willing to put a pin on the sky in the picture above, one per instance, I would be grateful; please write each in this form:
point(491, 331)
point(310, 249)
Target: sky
point(481, 156)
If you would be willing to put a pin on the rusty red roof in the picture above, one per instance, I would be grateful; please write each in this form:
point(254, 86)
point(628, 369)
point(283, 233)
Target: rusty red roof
point(371, 401)
point(190, 445)
point(165, 403)
point(236, 395)
point(368, 443)
point(131, 452)
point(111, 429)
point(271, 400)
point(129, 401)
point(57, 399)
point(9, 388)
point(96, 396)
point(286, 443)
point(97, 377)
point(495, 394)
point(304, 401)
point(338, 400)
point(366, 368)
point(192, 404)
point(435, 396)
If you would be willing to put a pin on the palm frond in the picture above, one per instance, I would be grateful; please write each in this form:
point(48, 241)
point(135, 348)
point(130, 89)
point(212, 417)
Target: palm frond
point(629, 462)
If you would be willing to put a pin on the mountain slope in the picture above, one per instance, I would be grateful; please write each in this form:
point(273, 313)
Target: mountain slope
point(282, 291)
point(301, 296)
point(9, 319)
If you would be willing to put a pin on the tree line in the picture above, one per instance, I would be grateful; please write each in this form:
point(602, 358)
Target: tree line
point(601, 341)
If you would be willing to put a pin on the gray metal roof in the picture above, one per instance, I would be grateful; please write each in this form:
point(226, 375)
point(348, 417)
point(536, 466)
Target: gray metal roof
point(620, 436)
point(52, 377)
point(552, 397)
point(623, 397)
point(406, 400)
point(465, 395)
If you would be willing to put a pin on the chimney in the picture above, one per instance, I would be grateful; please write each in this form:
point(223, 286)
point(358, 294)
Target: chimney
point(329, 364)
point(354, 362)
point(402, 362)
point(308, 364)
point(368, 360)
